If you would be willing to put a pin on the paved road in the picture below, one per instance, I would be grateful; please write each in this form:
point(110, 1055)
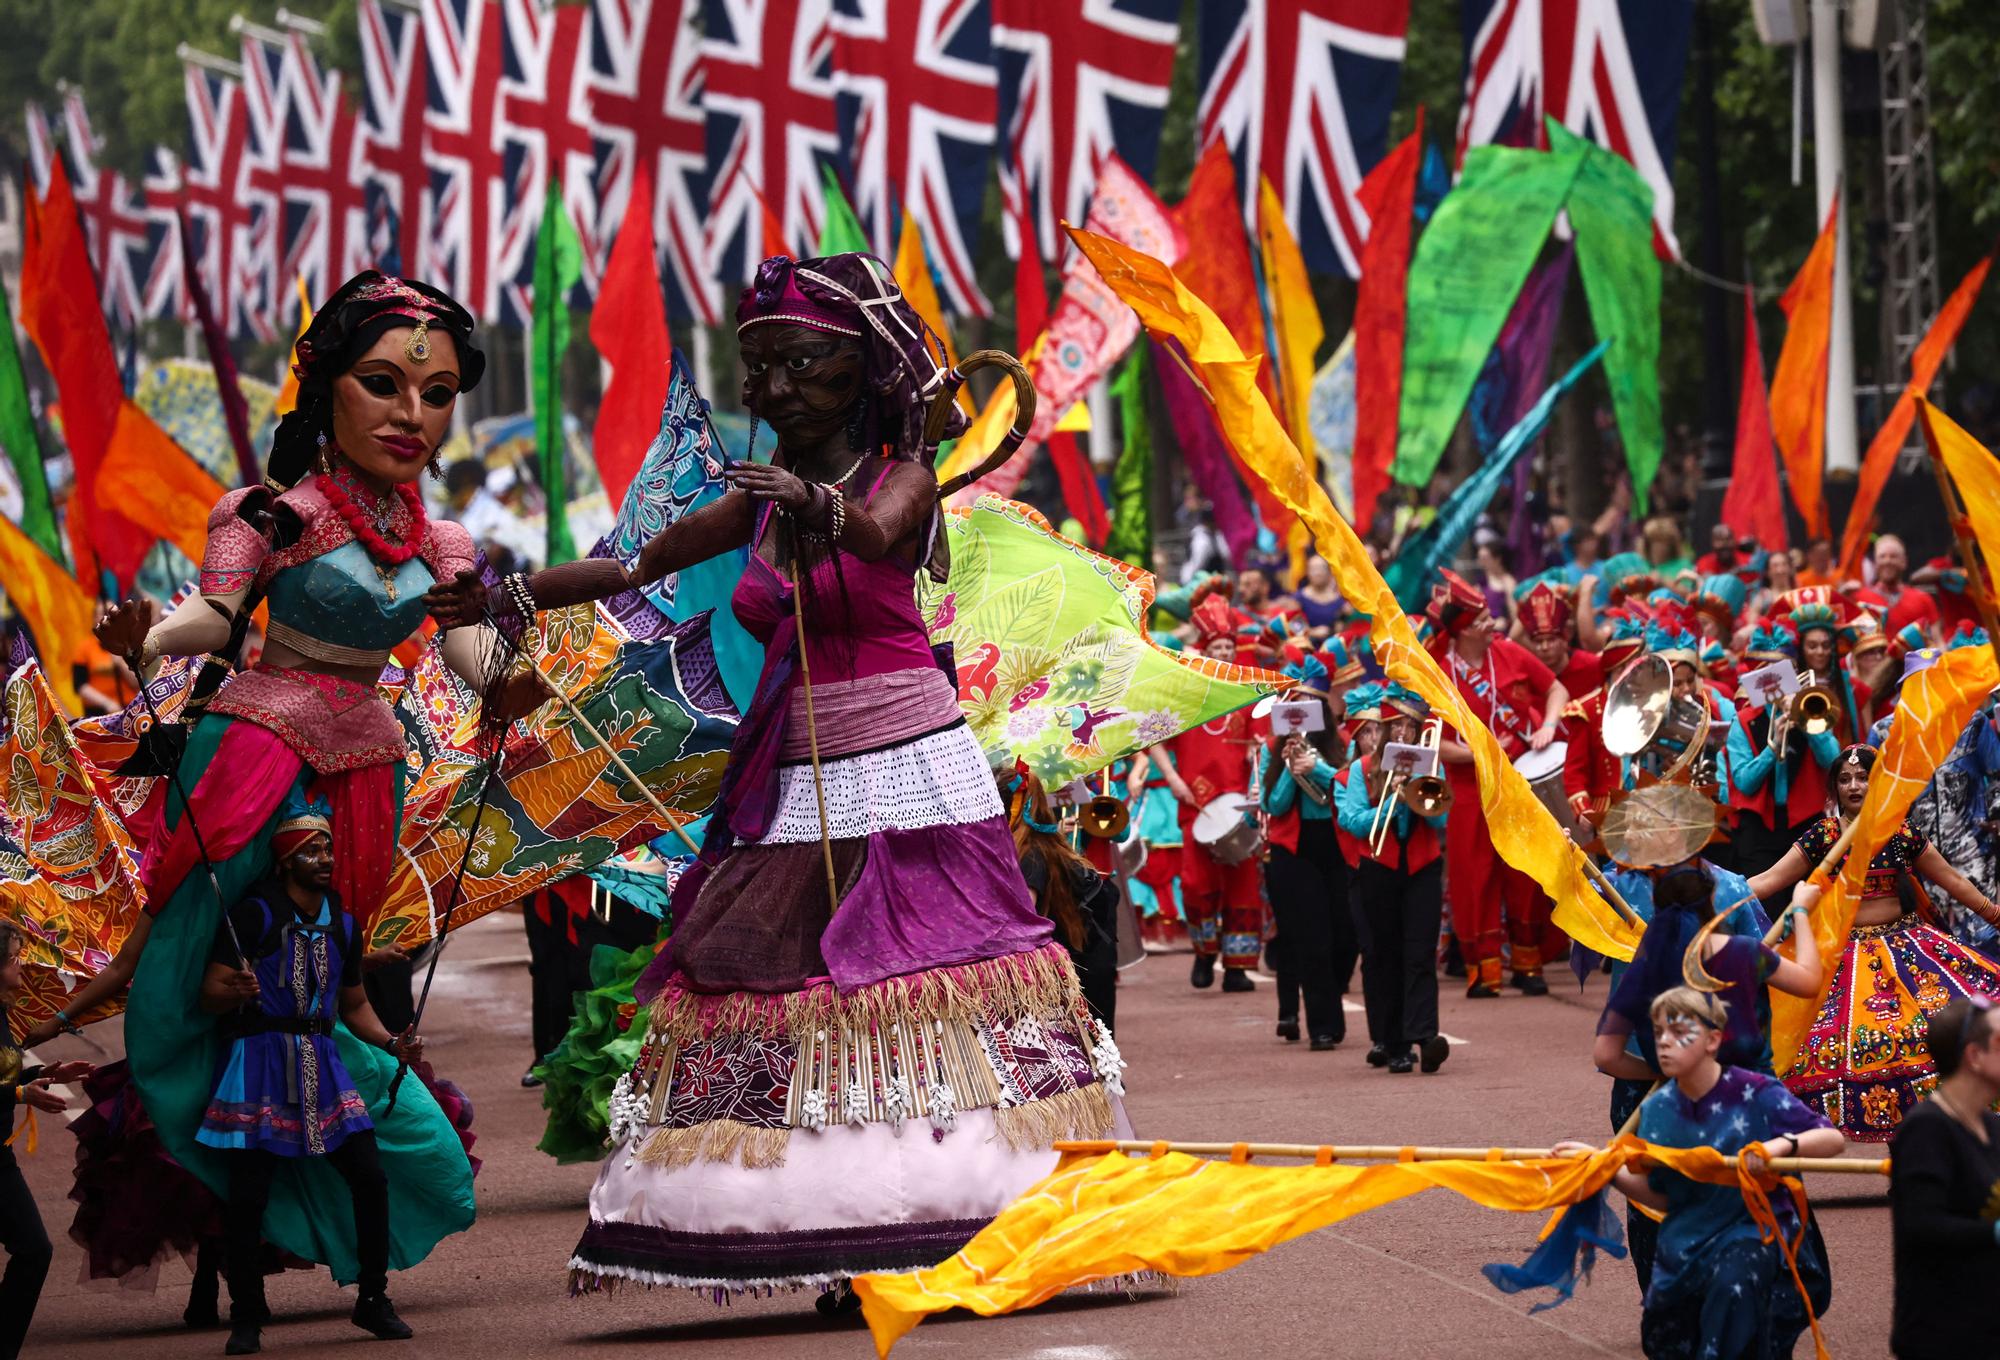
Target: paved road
point(1400, 1282)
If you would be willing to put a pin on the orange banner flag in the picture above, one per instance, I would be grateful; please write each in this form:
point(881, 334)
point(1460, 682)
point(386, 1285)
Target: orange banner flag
point(1526, 836)
point(1932, 711)
point(1104, 1214)
point(288, 391)
point(59, 311)
point(51, 603)
point(1798, 386)
point(1973, 470)
point(1880, 459)
point(913, 275)
point(158, 482)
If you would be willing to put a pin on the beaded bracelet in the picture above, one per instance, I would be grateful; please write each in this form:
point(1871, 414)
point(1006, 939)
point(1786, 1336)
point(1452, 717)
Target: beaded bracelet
point(518, 591)
point(67, 1025)
point(838, 517)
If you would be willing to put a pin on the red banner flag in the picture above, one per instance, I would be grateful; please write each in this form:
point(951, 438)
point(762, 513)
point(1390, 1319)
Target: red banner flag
point(1389, 194)
point(1798, 387)
point(59, 311)
point(1217, 270)
point(1880, 459)
point(629, 328)
point(1753, 504)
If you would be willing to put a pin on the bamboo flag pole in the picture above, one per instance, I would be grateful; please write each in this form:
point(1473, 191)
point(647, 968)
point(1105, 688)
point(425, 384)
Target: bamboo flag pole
point(1823, 874)
point(1611, 894)
point(1844, 1166)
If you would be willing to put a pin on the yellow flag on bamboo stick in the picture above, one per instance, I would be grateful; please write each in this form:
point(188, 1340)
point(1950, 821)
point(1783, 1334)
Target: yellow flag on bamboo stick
point(1101, 1215)
point(51, 603)
point(1976, 474)
point(1932, 711)
point(156, 483)
point(288, 394)
point(1526, 836)
point(913, 276)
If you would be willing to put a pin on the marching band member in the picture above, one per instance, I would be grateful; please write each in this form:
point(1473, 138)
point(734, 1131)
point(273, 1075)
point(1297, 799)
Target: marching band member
point(1314, 949)
point(1506, 686)
point(1398, 888)
point(1777, 772)
point(1821, 630)
point(1592, 774)
point(1223, 902)
point(1547, 619)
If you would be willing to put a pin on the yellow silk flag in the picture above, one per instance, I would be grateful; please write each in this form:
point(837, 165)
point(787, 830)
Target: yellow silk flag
point(288, 395)
point(1932, 711)
point(51, 603)
point(1100, 1215)
point(156, 484)
point(913, 276)
point(1798, 384)
point(1297, 332)
point(1976, 474)
point(1526, 836)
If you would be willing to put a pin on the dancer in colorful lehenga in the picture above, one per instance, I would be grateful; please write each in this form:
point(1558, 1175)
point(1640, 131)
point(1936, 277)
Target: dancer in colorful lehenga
point(339, 547)
point(854, 1075)
point(1863, 1062)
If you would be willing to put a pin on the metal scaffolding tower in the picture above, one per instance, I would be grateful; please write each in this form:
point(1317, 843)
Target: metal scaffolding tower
point(1910, 297)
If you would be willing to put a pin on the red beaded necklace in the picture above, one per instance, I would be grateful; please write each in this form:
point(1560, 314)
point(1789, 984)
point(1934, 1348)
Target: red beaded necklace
point(380, 548)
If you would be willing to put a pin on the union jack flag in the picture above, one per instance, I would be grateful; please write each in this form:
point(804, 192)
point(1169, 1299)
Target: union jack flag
point(462, 147)
point(1608, 70)
point(769, 97)
point(267, 100)
point(544, 126)
point(215, 185)
point(1078, 82)
point(1301, 91)
point(325, 221)
point(41, 148)
point(918, 104)
point(122, 237)
point(645, 107)
point(394, 77)
point(165, 295)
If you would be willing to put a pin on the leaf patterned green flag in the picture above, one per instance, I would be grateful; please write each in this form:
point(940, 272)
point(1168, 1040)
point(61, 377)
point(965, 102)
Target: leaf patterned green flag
point(558, 266)
point(22, 446)
point(1055, 666)
point(1611, 208)
point(1131, 538)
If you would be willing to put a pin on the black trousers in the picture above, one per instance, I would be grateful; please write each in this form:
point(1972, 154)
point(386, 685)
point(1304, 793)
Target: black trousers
point(559, 968)
point(391, 996)
point(28, 1255)
point(1642, 1234)
point(1400, 914)
point(1314, 949)
point(250, 1175)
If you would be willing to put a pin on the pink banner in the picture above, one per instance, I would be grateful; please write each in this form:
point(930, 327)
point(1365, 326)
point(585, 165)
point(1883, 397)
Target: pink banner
point(1090, 329)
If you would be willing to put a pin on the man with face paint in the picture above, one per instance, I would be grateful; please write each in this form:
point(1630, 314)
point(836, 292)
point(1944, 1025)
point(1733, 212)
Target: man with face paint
point(1223, 902)
point(1862, 1062)
point(1719, 1287)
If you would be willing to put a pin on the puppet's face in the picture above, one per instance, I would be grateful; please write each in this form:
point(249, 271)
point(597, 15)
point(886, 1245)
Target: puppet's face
point(391, 412)
point(801, 382)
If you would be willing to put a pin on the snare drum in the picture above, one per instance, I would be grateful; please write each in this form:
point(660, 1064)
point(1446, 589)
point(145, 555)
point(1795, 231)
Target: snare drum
point(1227, 830)
point(1543, 770)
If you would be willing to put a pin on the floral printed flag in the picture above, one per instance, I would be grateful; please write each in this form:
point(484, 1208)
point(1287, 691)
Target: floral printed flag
point(1055, 666)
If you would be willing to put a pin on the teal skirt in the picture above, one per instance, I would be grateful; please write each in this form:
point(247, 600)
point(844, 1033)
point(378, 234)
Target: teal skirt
point(176, 1054)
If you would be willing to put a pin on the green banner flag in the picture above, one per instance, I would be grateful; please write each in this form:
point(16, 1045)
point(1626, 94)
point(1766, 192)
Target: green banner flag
point(842, 231)
point(1131, 536)
point(1611, 208)
point(1468, 268)
point(24, 448)
point(558, 266)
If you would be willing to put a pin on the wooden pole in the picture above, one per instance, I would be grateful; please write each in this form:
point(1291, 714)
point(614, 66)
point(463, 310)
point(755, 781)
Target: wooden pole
point(812, 728)
point(1845, 1166)
point(548, 682)
point(1611, 894)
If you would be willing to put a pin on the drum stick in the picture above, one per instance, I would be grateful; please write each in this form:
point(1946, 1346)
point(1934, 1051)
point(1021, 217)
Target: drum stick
point(1611, 893)
point(1848, 1166)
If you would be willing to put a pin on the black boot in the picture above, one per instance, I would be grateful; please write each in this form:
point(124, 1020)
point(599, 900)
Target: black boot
point(374, 1313)
point(1529, 984)
point(1433, 1051)
point(201, 1310)
point(1288, 1028)
point(1403, 1061)
point(1238, 980)
point(243, 1338)
point(1204, 971)
point(1378, 1055)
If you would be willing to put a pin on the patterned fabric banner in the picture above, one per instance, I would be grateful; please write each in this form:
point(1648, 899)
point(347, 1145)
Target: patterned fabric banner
point(68, 873)
point(1331, 419)
point(180, 396)
point(1055, 666)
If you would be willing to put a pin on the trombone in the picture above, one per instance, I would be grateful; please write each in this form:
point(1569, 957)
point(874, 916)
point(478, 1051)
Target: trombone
point(1812, 709)
point(1427, 795)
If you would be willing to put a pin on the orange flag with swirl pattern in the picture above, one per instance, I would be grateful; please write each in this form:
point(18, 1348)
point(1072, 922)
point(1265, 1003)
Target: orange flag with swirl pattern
point(1523, 831)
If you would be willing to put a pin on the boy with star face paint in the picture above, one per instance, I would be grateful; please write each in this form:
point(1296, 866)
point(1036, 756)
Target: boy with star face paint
point(1718, 1288)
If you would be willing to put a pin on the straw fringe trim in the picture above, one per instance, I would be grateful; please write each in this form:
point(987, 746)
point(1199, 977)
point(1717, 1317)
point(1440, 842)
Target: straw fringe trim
point(719, 1140)
point(1084, 1112)
point(1039, 982)
point(589, 1277)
